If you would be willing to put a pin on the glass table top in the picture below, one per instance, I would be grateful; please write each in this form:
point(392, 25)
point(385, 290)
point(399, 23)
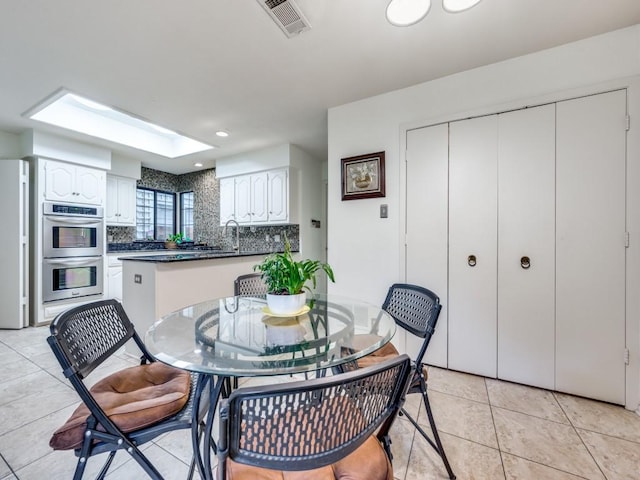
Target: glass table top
point(235, 336)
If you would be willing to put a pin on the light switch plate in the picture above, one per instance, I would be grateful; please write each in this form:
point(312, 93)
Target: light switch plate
point(384, 210)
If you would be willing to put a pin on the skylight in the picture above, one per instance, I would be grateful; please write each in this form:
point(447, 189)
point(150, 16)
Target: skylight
point(73, 112)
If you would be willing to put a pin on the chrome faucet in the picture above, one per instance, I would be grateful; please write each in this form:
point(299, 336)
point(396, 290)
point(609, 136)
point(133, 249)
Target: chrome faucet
point(236, 247)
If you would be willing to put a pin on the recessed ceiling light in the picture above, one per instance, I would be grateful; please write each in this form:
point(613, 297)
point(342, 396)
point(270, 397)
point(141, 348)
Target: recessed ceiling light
point(455, 6)
point(222, 133)
point(403, 13)
point(67, 110)
point(197, 164)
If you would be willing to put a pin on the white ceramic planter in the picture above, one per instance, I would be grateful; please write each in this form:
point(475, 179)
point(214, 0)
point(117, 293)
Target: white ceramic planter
point(285, 304)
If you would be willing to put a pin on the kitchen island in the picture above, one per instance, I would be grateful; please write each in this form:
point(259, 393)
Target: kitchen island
point(156, 285)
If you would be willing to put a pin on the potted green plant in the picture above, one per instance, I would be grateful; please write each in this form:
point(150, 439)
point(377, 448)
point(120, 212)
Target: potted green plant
point(287, 279)
point(172, 241)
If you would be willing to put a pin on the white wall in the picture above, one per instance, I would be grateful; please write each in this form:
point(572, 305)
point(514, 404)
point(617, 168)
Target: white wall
point(306, 198)
point(254, 161)
point(40, 144)
point(125, 166)
point(366, 251)
point(10, 145)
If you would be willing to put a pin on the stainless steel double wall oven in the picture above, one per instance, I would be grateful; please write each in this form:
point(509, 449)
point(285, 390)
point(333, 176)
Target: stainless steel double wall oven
point(73, 251)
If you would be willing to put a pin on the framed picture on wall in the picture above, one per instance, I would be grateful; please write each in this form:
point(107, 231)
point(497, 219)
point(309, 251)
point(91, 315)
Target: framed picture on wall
point(363, 176)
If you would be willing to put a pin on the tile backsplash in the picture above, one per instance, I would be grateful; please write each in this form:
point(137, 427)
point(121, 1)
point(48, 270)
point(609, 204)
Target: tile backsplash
point(207, 229)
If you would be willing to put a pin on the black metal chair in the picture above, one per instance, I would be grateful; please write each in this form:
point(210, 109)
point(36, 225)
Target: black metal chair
point(249, 285)
point(337, 424)
point(416, 310)
point(125, 409)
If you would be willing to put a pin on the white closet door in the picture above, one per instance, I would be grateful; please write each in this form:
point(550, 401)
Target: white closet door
point(426, 247)
point(526, 246)
point(590, 247)
point(473, 245)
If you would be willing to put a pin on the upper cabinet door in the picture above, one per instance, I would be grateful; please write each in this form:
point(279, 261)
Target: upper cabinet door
point(473, 188)
point(278, 202)
point(127, 201)
point(120, 208)
point(59, 184)
point(90, 185)
point(259, 212)
point(72, 183)
point(243, 199)
point(111, 207)
point(227, 200)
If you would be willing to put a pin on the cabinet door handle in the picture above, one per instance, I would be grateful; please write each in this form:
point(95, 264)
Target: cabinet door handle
point(472, 261)
point(525, 262)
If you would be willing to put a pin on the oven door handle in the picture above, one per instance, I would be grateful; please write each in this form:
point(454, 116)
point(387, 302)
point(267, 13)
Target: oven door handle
point(72, 262)
point(74, 221)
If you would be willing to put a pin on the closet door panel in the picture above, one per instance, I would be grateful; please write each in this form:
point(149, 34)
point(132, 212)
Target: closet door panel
point(526, 246)
point(426, 239)
point(472, 245)
point(590, 312)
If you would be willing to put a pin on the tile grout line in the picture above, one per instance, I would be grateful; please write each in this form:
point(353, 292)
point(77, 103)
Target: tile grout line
point(579, 436)
point(11, 470)
point(495, 430)
point(491, 407)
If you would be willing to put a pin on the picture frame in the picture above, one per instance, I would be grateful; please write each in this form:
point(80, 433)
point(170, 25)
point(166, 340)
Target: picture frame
point(363, 176)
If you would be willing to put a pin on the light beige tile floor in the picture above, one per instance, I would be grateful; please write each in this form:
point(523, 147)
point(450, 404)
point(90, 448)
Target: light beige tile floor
point(491, 429)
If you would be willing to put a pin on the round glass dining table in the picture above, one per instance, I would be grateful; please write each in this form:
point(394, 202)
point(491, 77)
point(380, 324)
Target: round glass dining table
point(233, 337)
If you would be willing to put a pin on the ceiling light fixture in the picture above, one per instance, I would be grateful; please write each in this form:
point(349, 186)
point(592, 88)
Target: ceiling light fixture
point(73, 112)
point(455, 6)
point(222, 133)
point(197, 164)
point(403, 13)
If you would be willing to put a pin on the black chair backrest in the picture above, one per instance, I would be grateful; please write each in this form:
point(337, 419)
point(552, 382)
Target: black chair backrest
point(309, 424)
point(250, 285)
point(414, 308)
point(85, 336)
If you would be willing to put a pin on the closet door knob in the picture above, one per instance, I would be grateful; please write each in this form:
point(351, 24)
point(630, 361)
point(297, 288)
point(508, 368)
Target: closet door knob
point(525, 262)
point(471, 260)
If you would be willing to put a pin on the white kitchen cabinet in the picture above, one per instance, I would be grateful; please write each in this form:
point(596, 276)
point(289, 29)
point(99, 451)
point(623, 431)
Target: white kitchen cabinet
point(259, 198)
point(256, 199)
point(251, 198)
point(278, 191)
point(120, 208)
point(526, 246)
point(590, 313)
point(227, 200)
point(114, 276)
point(67, 182)
point(473, 198)
point(243, 199)
point(114, 271)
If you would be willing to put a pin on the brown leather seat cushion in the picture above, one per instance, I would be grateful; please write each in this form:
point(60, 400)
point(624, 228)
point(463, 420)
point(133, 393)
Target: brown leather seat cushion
point(132, 398)
point(387, 352)
point(368, 462)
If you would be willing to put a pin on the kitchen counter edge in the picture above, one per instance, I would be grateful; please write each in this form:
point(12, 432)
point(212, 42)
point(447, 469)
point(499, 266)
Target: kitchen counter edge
point(190, 256)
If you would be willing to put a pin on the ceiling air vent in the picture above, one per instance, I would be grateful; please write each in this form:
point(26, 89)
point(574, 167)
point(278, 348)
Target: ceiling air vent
point(287, 16)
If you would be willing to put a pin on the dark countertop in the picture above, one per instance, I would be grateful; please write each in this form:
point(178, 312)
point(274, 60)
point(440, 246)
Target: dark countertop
point(159, 247)
point(190, 256)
